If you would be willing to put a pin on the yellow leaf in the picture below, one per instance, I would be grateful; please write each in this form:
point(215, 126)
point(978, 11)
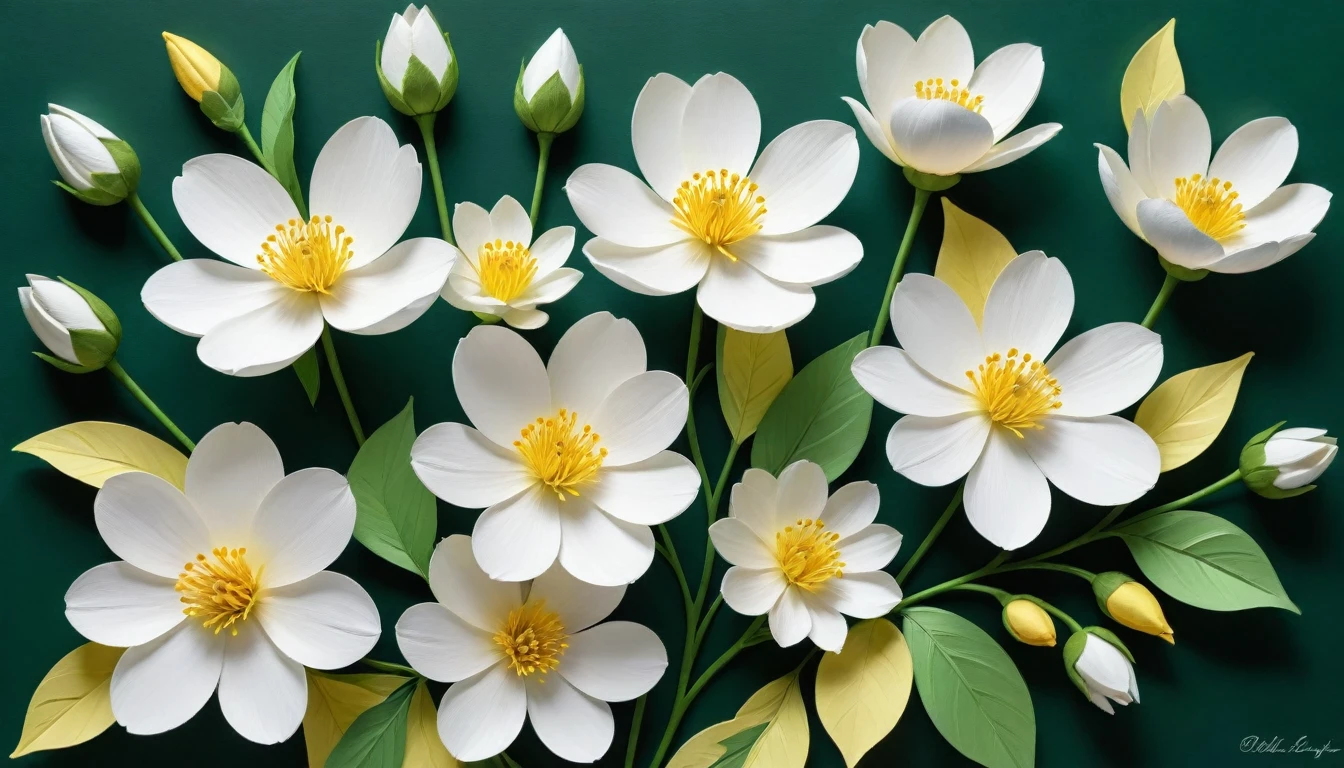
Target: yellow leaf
point(93, 451)
point(783, 743)
point(424, 748)
point(971, 257)
point(73, 703)
point(1186, 412)
point(862, 691)
point(334, 701)
point(1153, 75)
point(753, 368)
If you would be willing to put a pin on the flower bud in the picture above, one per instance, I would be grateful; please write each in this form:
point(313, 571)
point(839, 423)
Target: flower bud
point(415, 63)
point(1130, 603)
point(76, 326)
point(208, 81)
point(1102, 668)
point(97, 167)
point(1279, 464)
point(1028, 622)
point(549, 94)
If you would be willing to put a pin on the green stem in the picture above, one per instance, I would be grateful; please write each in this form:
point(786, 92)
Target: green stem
point(335, 366)
point(670, 552)
point(252, 147)
point(544, 140)
point(938, 589)
point(933, 534)
point(138, 206)
point(509, 761)
point(709, 617)
point(1002, 596)
point(1081, 573)
point(1186, 501)
point(120, 374)
point(1163, 295)
point(426, 123)
point(1062, 616)
point(897, 269)
point(632, 742)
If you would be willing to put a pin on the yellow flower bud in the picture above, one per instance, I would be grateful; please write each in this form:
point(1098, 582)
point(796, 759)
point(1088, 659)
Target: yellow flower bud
point(1134, 606)
point(1029, 623)
point(197, 70)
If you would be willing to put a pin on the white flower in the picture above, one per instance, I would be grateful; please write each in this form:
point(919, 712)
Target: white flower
point(803, 558)
point(1106, 673)
point(555, 56)
point(344, 266)
point(744, 233)
point(54, 309)
point(569, 458)
point(514, 652)
point(222, 586)
point(930, 107)
point(1230, 215)
point(1300, 454)
point(504, 273)
point(985, 400)
point(82, 150)
point(415, 63)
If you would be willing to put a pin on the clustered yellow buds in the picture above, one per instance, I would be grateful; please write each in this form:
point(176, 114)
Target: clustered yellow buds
point(1131, 604)
point(1029, 623)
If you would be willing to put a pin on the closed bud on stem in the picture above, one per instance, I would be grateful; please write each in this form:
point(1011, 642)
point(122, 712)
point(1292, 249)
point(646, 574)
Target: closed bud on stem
point(548, 96)
point(208, 81)
point(1130, 603)
point(1278, 463)
point(95, 165)
point(1102, 668)
point(415, 63)
point(81, 332)
point(1028, 622)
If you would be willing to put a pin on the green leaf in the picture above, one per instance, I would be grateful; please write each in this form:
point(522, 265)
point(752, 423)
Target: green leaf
point(377, 738)
point(821, 415)
point(752, 369)
point(277, 142)
point(738, 746)
point(971, 689)
point(311, 379)
point(397, 515)
point(1205, 561)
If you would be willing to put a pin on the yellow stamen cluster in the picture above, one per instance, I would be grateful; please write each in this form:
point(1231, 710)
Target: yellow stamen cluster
point(1211, 205)
point(719, 208)
point(505, 268)
point(933, 88)
point(560, 453)
point(806, 553)
point(222, 591)
point(532, 639)
point(306, 255)
point(1015, 392)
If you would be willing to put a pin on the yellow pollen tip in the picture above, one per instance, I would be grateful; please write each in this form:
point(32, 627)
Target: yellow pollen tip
point(561, 453)
point(1015, 393)
point(532, 639)
point(933, 89)
point(505, 269)
point(222, 591)
point(807, 555)
point(1211, 206)
point(718, 209)
point(306, 256)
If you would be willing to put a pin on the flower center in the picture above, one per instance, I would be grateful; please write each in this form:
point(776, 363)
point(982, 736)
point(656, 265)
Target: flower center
point(719, 208)
point(306, 255)
point(1016, 392)
point(933, 88)
point(221, 591)
point(560, 453)
point(506, 269)
point(1211, 205)
point(806, 553)
point(532, 639)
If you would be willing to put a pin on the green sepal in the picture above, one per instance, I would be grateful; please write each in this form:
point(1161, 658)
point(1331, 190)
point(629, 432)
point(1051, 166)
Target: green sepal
point(420, 93)
point(66, 366)
point(93, 347)
point(930, 182)
point(392, 94)
point(552, 109)
point(111, 323)
point(127, 162)
point(1113, 639)
point(520, 104)
point(93, 196)
point(448, 85)
point(1104, 585)
point(1183, 274)
point(391, 668)
point(306, 369)
point(1072, 650)
point(1262, 437)
point(419, 88)
point(111, 183)
point(487, 318)
point(224, 106)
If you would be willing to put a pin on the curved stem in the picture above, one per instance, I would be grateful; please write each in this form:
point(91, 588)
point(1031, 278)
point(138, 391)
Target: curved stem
point(246, 136)
point(1188, 500)
point(1062, 616)
point(544, 140)
point(938, 527)
point(632, 742)
point(120, 374)
point(335, 366)
point(709, 617)
point(670, 552)
point(1003, 596)
point(138, 206)
point(1163, 295)
point(938, 589)
point(898, 268)
point(1081, 573)
point(426, 123)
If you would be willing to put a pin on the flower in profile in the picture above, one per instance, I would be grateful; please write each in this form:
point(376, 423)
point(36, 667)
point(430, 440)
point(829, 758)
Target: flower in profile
point(745, 233)
point(991, 401)
point(78, 328)
point(568, 457)
point(283, 277)
point(515, 652)
point(1279, 464)
point(95, 165)
point(221, 585)
point(931, 109)
point(1229, 215)
point(805, 559)
point(415, 63)
point(503, 272)
point(1102, 668)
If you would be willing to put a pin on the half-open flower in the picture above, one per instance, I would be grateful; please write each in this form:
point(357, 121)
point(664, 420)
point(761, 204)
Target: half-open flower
point(222, 586)
point(1102, 668)
point(77, 327)
point(548, 96)
point(504, 273)
point(744, 233)
point(415, 63)
point(96, 166)
point(803, 558)
point(518, 651)
point(991, 401)
point(1230, 215)
point(288, 276)
point(931, 109)
point(568, 457)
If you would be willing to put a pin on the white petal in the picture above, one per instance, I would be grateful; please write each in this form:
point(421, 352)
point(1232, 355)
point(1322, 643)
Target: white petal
point(1101, 703)
point(943, 50)
point(801, 492)
point(518, 538)
point(863, 595)
point(303, 524)
point(753, 591)
point(753, 502)
point(525, 319)
point(578, 603)
point(871, 549)
point(828, 626)
point(1102, 460)
point(80, 150)
point(741, 297)
point(458, 582)
point(401, 318)
point(396, 51)
point(1007, 497)
point(615, 205)
point(1178, 144)
point(326, 621)
point(552, 249)
point(881, 52)
point(428, 44)
point(937, 451)
point(1175, 238)
point(262, 692)
point(1256, 158)
point(482, 715)
point(595, 355)
point(64, 304)
point(363, 298)
point(737, 543)
point(599, 549)
point(655, 132)
point(1029, 306)
point(556, 56)
point(656, 271)
point(55, 338)
point(939, 137)
point(1104, 667)
point(471, 225)
point(789, 620)
point(761, 481)
point(163, 683)
point(148, 523)
point(616, 661)
point(894, 380)
point(1290, 211)
point(459, 465)
point(500, 383)
point(646, 492)
point(264, 340)
point(1009, 79)
point(805, 173)
point(852, 508)
point(510, 222)
point(935, 328)
point(1106, 369)
point(120, 605)
point(641, 417)
point(443, 647)
point(232, 469)
point(195, 295)
point(573, 725)
point(1260, 256)
point(812, 256)
point(231, 205)
point(1139, 163)
point(1122, 190)
point(720, 127)
point(873, 130)
point(1014, 147)
point(73, 174)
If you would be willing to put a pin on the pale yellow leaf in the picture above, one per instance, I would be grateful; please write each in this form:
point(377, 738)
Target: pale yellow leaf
point(424, 748)
point(862, 691)
point(971, 257)
point(73, 703)
point(1153, 75)
point(783, 743)
point(1186, 412)
point(753, 368)
point(334, 701)
point(93, 451)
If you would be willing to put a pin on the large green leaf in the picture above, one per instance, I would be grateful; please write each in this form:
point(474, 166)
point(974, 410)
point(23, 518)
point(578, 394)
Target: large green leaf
point(971, 689)
point(1206, 561)
point(821, 415)
point(277, 131)
point(397, 516)
point(752, 370)
point(377, 738)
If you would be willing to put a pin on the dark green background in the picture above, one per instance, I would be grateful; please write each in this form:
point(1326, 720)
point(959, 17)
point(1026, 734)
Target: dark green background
point(1265, 672)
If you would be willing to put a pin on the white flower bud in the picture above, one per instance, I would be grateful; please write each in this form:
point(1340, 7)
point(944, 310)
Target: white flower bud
point(78, 328)
point(1300, 455)
point(416, 66)
point(548, 96)
point(556, 55)
point(1101, 669)
point(97, 167)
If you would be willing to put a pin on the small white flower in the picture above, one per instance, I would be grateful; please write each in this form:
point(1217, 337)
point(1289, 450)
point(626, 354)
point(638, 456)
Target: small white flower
point(803, 558)
point(1107, 674)
point(416, 67)
point(570, 457)
point(555, 56)
point(222, 587)
point(54, 309)
point(82, 150)
point(930, 107)
point(1300, 454)
point(504, 273)
point(1230, 215)
point(516, 652)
